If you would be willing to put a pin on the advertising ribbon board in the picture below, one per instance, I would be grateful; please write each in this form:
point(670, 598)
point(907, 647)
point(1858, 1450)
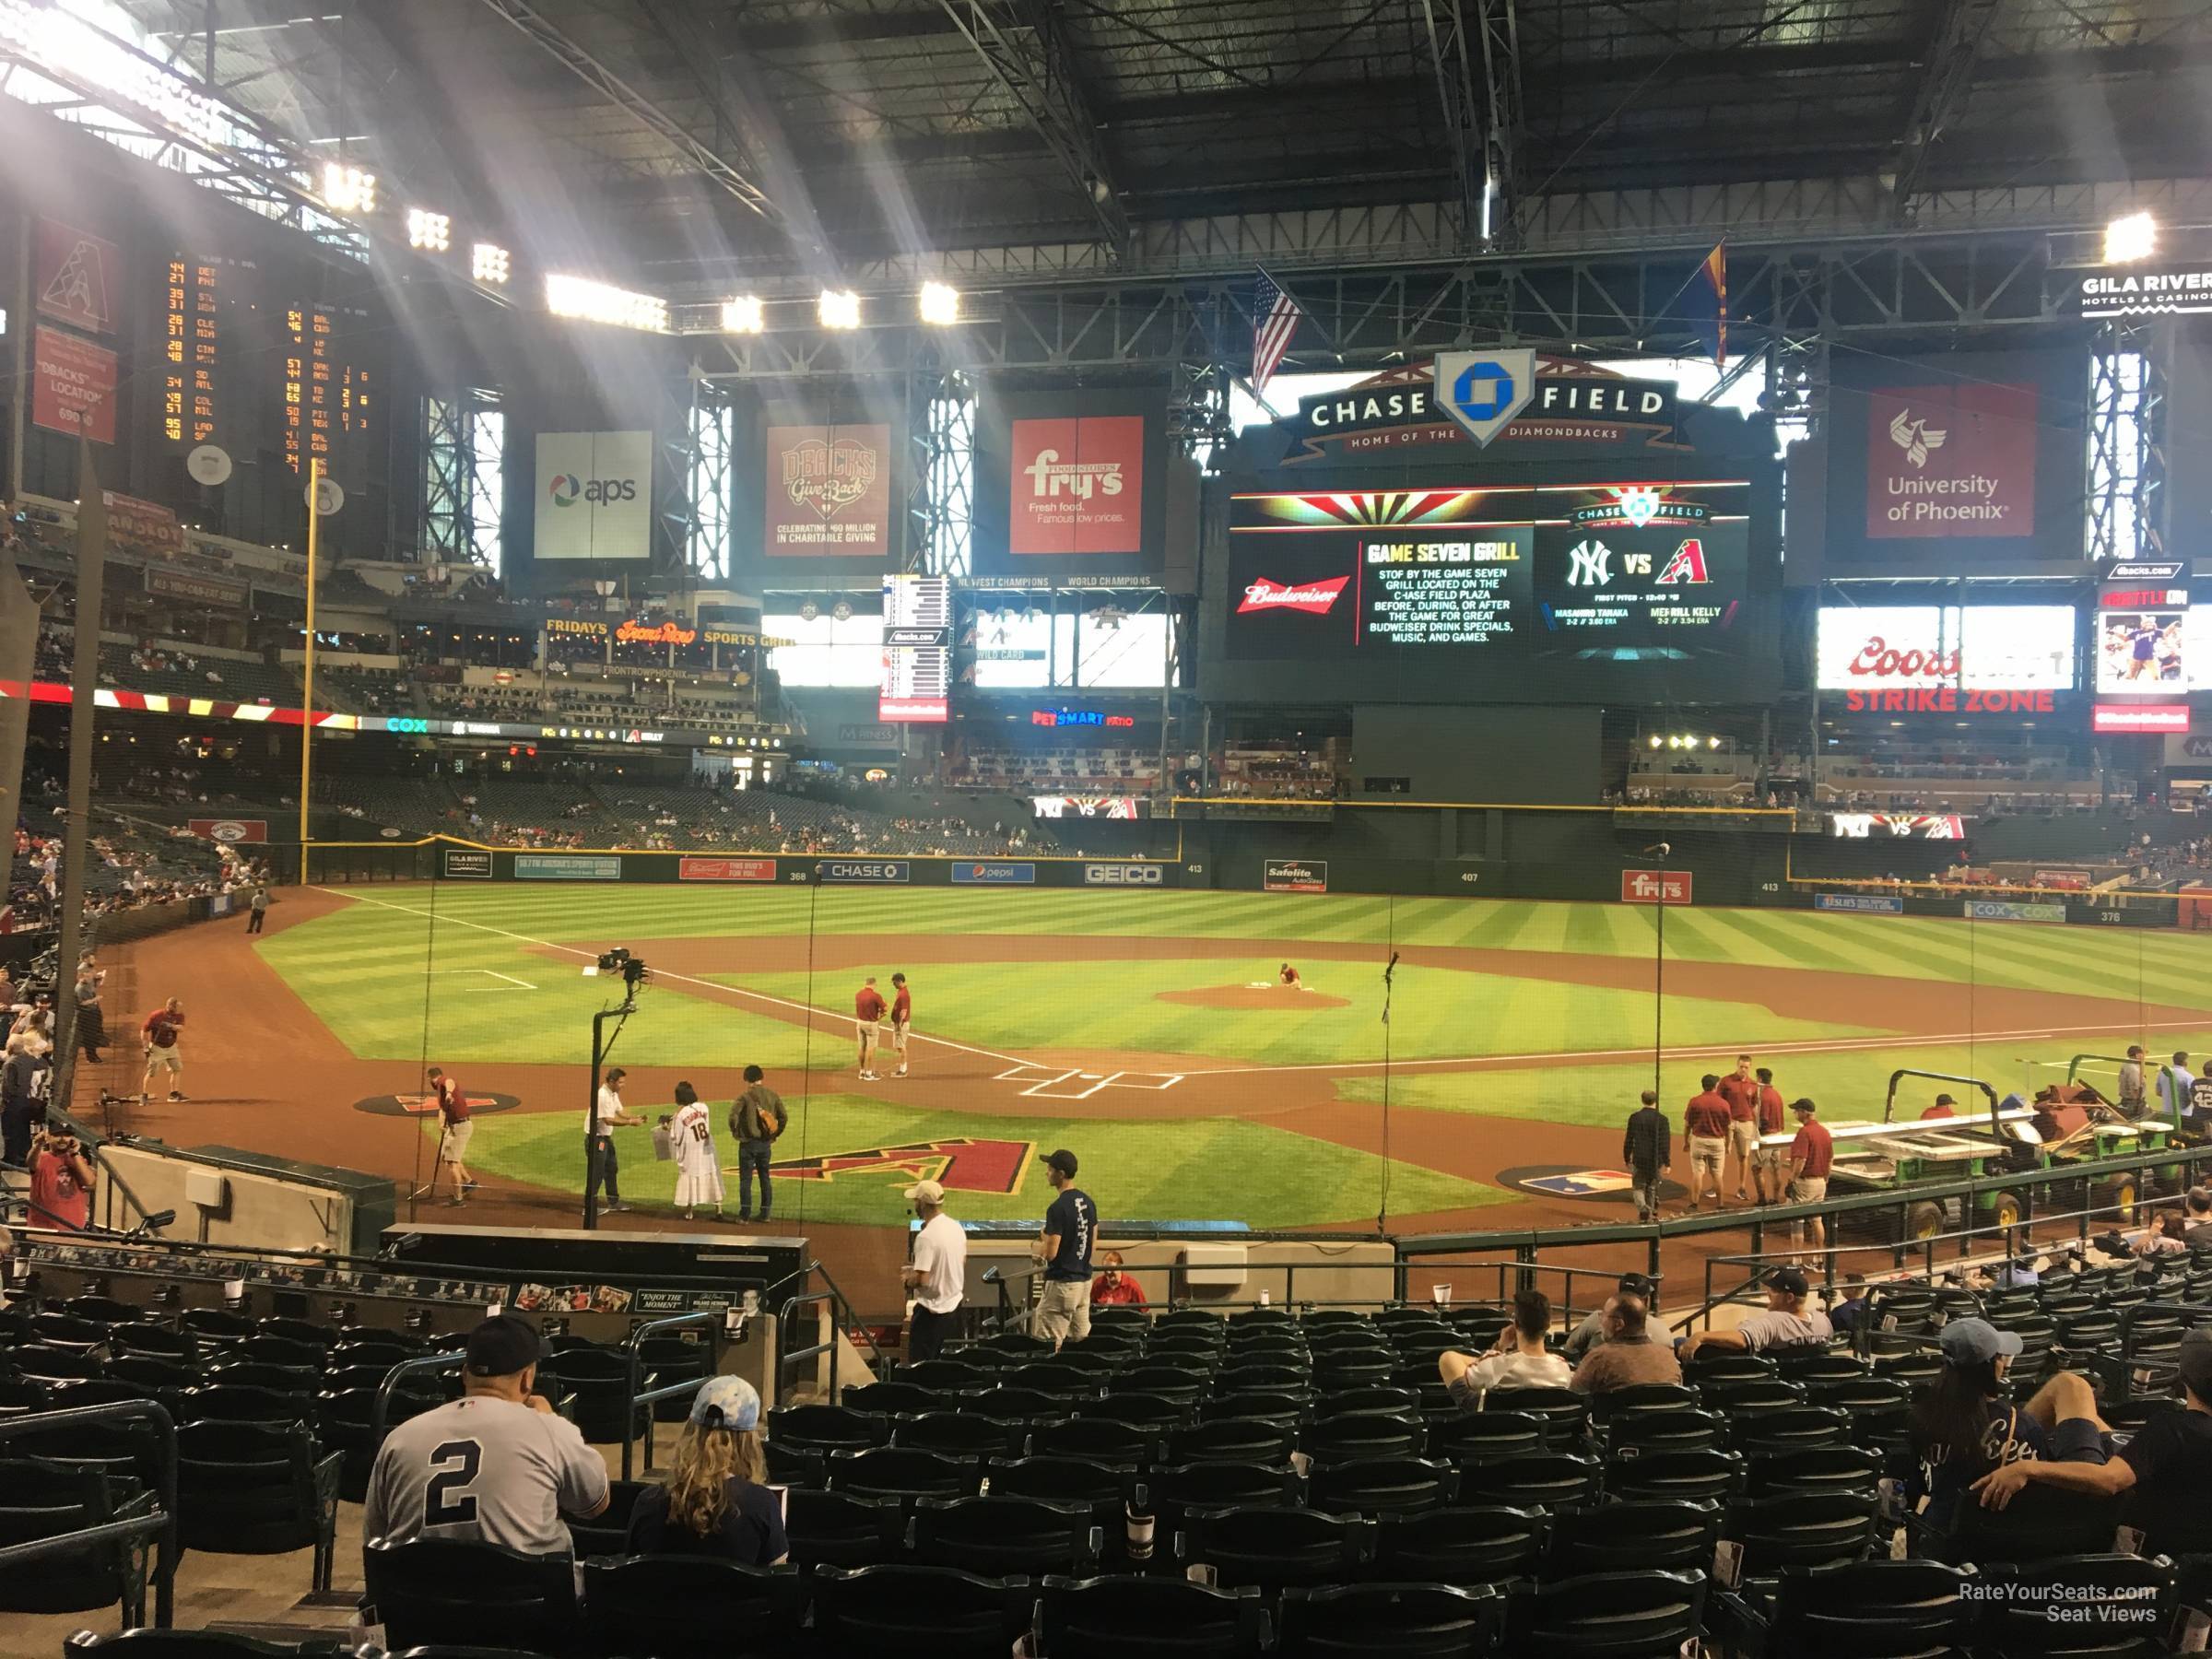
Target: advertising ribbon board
point(561, 867)
point(2004, 910)
point(1295, 876)
point(1860, 904)
point(695, 867)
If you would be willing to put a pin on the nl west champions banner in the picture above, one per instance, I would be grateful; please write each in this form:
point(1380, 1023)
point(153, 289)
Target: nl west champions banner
point(594, 494)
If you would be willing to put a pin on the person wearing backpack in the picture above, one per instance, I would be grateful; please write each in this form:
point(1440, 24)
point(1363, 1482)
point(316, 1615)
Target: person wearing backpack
point(756, 1120)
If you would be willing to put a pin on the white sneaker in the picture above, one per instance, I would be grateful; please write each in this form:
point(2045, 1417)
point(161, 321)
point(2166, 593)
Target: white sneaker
point(900, 1072)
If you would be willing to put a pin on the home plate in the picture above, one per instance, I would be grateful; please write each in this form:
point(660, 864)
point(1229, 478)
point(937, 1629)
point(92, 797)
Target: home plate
point(1042, 1083)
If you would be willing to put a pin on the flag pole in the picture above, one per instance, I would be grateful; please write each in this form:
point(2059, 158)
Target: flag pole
point(307, 679)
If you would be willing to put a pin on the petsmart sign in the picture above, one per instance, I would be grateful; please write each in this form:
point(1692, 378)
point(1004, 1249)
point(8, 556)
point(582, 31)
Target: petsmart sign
point(1295, 876)
point(594, 494)
point(994, 875)
point(1860, 904)
point(864, 870)
point(2004, 910)
point(564, 866)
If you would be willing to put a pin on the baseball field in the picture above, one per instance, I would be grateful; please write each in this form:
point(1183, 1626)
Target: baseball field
point(1148, 1031)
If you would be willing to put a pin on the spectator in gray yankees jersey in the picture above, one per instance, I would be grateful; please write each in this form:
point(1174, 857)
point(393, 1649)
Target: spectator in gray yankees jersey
point(495, 1467)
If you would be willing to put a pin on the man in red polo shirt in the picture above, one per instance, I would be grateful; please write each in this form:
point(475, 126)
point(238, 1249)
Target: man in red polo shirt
point(1740, 1089)
point(867, 1013)
point(1769, 1165)
point(1812, 1155)
point(1705, 1126)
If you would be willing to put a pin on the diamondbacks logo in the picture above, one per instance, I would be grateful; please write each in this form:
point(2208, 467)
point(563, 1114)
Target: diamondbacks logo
point(79, 290)
point(1316, 598)
point(1916, 437)
point(1688, 565)
point(827, 478)
point(960, 1165)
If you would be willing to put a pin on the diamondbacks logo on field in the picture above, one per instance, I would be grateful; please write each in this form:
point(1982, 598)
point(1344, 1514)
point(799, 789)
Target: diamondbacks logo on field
point(1315, 598)
point(960, 1165)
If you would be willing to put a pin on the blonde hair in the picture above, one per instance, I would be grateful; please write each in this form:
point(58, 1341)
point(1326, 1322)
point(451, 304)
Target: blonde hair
point(698, 1480)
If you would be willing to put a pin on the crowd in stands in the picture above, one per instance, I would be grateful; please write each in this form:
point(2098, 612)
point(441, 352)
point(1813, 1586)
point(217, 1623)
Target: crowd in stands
point(1075, 769)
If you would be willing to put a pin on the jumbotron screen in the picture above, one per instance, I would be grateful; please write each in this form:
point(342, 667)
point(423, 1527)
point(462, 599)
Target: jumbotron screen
point(1632, 572)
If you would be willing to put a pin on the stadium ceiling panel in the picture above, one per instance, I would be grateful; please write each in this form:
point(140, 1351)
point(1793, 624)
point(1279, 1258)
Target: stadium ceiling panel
point(787, 140)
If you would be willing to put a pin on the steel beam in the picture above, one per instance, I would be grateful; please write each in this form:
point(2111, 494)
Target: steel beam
point(1022, 42)
point(1945, 79)
point(710, 164)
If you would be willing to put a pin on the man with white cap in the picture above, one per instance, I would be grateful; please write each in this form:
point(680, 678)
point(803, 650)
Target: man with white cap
point(2166, 1464)
point(938, 1275)
point(495, 1467)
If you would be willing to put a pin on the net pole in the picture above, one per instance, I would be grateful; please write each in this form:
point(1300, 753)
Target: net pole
point(307, 678)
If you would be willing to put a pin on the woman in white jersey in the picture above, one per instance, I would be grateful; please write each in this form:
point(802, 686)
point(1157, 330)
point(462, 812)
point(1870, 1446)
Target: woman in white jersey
point(698, 1171)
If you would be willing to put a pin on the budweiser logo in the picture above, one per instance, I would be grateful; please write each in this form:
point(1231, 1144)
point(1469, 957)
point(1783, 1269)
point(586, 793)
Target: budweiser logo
point(1314, 596)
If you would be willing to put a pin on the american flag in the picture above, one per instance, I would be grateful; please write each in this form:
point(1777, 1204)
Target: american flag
point(1273, 321)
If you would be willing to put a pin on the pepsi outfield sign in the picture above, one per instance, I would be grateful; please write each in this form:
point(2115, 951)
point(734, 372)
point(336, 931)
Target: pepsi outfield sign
point(994, 875)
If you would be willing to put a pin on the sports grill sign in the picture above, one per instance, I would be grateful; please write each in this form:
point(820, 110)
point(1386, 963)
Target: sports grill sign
point(828, 492)
point(1655, 887)
point(1294, 876)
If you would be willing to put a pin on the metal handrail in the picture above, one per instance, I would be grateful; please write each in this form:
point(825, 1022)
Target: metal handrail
point(707, 1317)
point(840, 1304)
point(379, 1412)
point(161, 1524)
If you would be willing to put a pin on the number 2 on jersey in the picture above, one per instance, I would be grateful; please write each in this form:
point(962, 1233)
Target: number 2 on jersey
point(447, 1502)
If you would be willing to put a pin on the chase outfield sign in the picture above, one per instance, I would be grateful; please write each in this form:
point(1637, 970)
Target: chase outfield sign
point(1480, 396)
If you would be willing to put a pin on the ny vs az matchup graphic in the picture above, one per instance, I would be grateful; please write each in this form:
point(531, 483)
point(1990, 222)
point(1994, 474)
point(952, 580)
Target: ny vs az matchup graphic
point(1518, 571)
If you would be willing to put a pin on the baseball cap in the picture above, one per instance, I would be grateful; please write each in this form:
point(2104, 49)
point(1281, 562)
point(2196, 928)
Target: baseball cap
point(1635, 1284)
point(726, 1403)
point(1790, 1280)
point(1804, 1104)
point(2193, 1360)
point(1976, 1342)
point(501, 1346)
point(1942, 1100)
point(926, 1192)
point(1062, 1161)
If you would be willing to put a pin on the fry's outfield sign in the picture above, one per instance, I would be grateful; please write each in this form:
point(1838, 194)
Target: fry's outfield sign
point(1949, 700)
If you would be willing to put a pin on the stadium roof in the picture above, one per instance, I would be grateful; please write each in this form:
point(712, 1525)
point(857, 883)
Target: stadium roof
point(745, 138)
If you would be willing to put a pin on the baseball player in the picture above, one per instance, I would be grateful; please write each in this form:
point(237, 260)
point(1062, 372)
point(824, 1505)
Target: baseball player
point(867, 1011)
point(903, 1016)
point(159, 1034)
point(1288, 975)
point(698, 1169)
point(453, 1139)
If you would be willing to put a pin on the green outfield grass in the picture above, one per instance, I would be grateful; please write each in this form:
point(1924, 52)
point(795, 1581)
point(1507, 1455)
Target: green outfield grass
point(362, 971)
point(1204, 1168)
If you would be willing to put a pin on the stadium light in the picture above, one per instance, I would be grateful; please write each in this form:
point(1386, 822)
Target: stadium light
point(591, 301)
point(2130, 238)
point(491, 263)
point(745, 315)
point(430, 232)
point(348, 189)
point(838, 308)
point(941, 303)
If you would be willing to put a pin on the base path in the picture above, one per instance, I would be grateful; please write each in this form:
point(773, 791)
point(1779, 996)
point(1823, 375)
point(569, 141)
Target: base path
point(1254, 999)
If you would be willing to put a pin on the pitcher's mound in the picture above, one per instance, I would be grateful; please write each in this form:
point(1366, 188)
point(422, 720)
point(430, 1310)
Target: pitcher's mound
point(1271, 999)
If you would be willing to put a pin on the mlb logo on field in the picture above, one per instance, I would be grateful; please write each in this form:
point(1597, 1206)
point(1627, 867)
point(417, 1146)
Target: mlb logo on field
point(1579, 1184)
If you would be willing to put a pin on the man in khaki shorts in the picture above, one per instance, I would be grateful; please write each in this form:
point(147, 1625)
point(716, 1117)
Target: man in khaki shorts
point(1071, 1226)
point(1740, 1089)
point(1812, 1156)
point(1705, 1126)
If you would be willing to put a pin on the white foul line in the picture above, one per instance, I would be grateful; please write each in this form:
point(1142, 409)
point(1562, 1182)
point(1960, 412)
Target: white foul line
point(681, 979)
point(513, 983)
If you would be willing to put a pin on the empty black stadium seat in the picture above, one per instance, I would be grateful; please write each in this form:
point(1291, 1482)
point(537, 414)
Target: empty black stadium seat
point(198, 1644)
point(1565, 1413)
point(1605, 1616)
point(937, 1610)
point(1272, 1547)
point(2099, 1599)
point(1114, 1617)
point(1158, 1413)
point(1461, 1545)
point(1003, 1537)
point(1381, 1486)
point(257, 1490)
point(1691, 1475)
point(895, 1472)
point(835, 1529)
point(1813, 1469)
point(1645, 1432)
point(1632, 1537)
point(1389, 1621)
point(1851, 1609)
point(1363, 1434)
point(1229, 1440)
point(1547, 1481)
point(43, 1499)
point(1099, 1438)
point(1473, 1438)
point(1800, 1529)
point(691, 1608)
point(444, 1591)
point(1175, 1487)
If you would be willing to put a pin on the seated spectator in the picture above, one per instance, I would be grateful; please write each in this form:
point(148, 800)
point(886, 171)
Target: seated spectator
point(2198, 1215)
point(1785, 1322)
point(2165, 1468)
point(1630, 1356)
point(61, 1180)
point(1114, 1288)
point(531, 1465)
point(1591, 1331)
point(716, 1502)
point(1522, 1358)
point(1963, 1427)
point(1850, 1308)
point(2168, 1235)
point(2018, 1273)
